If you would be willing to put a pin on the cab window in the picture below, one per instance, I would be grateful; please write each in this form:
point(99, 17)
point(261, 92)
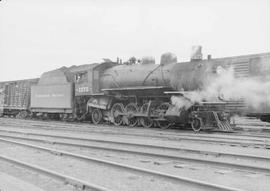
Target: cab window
point(81, 77)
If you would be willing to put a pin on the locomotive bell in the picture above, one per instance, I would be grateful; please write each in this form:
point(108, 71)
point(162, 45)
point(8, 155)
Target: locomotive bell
point(168, 58)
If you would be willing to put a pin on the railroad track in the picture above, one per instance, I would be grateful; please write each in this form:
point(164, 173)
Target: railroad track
point(132, 131)
point(164, 152)
point(144, 149)
point(85, 125)
point(53, 174)
point(84, 185)
point(204, 138)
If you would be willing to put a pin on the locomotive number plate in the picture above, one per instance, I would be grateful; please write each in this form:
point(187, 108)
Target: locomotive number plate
point(83, 89)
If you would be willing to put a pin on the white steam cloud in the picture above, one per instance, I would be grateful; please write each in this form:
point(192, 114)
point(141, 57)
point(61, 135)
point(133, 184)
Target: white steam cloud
point(255, 91)
point(181, 102)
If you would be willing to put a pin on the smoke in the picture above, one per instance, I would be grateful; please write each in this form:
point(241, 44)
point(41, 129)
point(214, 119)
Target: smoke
point(254, 90)
point(181, 102)
point(224, 86)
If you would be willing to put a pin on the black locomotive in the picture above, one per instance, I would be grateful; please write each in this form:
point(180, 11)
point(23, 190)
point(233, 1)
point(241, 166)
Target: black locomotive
point(132, 93)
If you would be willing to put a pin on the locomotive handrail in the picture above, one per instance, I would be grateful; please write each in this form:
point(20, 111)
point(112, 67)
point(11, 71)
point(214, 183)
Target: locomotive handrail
point(147, 76)
point(135, 88)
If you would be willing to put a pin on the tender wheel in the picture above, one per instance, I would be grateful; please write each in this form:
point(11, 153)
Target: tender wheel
point(162, 110)
point(22, 115)
point(145, 121)
point(117, 113)
point(96, 116)
point(131, 109)
point(63, 116)
point(44, 116)
point(196, 124)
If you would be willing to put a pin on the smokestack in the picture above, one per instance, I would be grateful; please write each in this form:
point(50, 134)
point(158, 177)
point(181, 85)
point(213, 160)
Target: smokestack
point(196, 53)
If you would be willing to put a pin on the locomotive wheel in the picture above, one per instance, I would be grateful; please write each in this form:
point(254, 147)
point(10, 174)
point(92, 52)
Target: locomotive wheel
point(116, 112)
point(196, 124)
point(96, 116)
point(162, 110)
point(146, 121)
point(131, 109)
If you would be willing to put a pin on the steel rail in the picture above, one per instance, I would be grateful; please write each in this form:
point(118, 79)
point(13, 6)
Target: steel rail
point(255, 135)
point(136, 144)
point(109, 126)
point(253, 157)
point(263, 144)
point(67, 179)
point(178, 137)
point(175, 136)
point(179, 179)
point(167, 156)
point(245, 156)
point(34, 121)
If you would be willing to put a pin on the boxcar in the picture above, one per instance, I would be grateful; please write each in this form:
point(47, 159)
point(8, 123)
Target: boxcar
point(15, 97)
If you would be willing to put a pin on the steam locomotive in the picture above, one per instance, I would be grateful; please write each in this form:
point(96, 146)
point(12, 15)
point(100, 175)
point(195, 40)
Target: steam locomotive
point(133, 94)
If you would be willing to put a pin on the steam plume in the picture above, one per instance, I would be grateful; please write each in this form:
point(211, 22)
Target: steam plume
point(254, 90)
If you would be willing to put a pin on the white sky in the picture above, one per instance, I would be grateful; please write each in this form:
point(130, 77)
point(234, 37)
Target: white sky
point(41, 35)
